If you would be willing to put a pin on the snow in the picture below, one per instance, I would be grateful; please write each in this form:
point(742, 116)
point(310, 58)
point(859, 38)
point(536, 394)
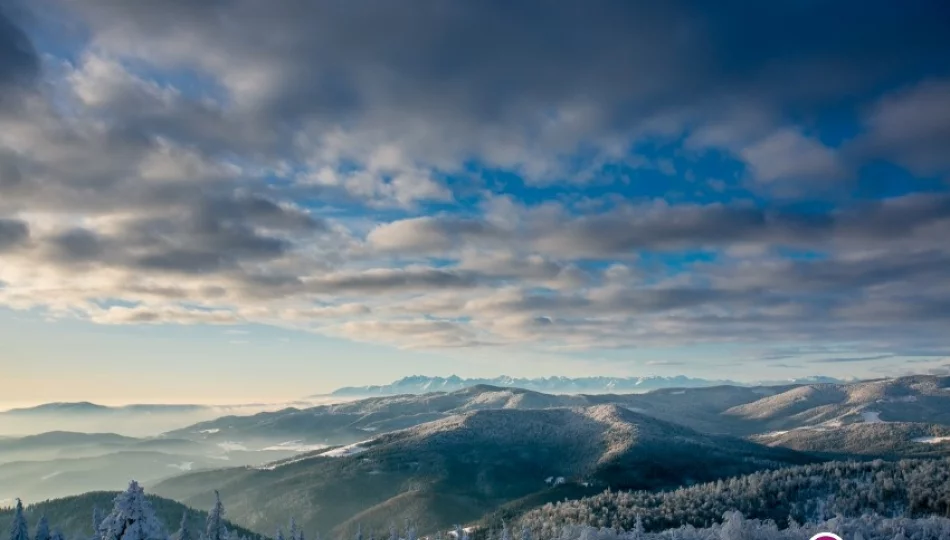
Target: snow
point(51, 475)
point(347, 450)
point(210, 431)
point(295, 446)
point(230, 446)
point(678, 392)
point(872, 417)
point(369, 428)
point(931, 440)
point(185, 466)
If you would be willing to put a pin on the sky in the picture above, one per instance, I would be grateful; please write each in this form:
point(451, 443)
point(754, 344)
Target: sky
point(234, 199)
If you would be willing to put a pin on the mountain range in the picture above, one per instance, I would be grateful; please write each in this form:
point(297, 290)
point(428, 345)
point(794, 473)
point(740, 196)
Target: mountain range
point(446, 457)
point(421, 384)
point(456, 469)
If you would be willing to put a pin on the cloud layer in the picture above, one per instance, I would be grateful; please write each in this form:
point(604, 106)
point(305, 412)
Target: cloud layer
point(547, 175)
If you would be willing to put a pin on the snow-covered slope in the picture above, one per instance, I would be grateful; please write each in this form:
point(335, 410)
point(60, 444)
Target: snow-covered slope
point(923, 399)
point(420, 384)
point(466, 464)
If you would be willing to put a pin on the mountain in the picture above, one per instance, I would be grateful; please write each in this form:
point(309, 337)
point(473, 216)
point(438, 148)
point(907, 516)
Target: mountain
point(137, 420)
point(73, 515)
point(922, 399)
point(884, 439)
point(58, 464)
point(420, 384)
point(132, 420)
point(86, 408)
point(344, 423)
point(463, 466)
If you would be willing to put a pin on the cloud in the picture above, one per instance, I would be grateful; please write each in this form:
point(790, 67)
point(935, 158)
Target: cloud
point(19, 64)
point(13, 233)
point(454, 176)
point(787, 155)
point(848, 359)
point(912, 127)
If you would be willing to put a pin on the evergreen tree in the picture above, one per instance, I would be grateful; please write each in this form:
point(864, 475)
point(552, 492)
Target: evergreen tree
point(184, 533)
point(359, 531)
point(215, 527)
point(280, 534)
point(393, 535)
point(42, 529)
point(132, 518)
point(19, 529)
point(97, 518)
point(293, 528)
point(58, 535)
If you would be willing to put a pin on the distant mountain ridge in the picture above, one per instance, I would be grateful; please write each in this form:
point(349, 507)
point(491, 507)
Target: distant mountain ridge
point(85, 407)
point(421, 384)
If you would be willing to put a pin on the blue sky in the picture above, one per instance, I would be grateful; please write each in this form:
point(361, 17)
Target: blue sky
point(292, 197)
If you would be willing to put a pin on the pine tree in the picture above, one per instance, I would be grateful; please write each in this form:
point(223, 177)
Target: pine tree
point(19, 529)
point(293, 528)
point(97, 518)
point(132, 518)
point(215, 528)
point(42, 529)
point(184, 533)
point(280, 534)
point(359, 531)
point(58, 535)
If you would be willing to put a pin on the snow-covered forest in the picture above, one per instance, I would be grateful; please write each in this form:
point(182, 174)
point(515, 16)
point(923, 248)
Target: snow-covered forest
point(133, 518)
point(909, 488)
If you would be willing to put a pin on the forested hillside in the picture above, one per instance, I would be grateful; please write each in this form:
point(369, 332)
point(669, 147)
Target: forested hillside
point(909, 488)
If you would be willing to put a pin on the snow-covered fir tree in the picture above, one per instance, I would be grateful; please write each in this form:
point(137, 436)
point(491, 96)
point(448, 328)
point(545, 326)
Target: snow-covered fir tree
point(97, 518)
point(19, 529)
point(215, 526)
point(184, 532)
point(132, 518)
point(42, 529)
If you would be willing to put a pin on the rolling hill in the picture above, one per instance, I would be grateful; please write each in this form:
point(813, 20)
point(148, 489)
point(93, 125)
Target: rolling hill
point(463, 466)
point(879, 439)
point(73, 515)
point(921, 399)
point(345, 423)
point(58, 464)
